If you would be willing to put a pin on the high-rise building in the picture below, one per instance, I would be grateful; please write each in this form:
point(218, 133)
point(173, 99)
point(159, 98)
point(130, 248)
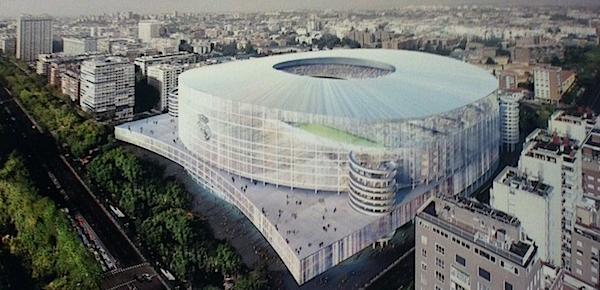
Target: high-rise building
point(590, 154)
point(164, 79)
point(108, 88)
point(556, 161)
point(464, 244)
point(586, 235)
point(509, 119)
point(173, 103)
point(75, 46)
point(148, 29)
point(573, 124)
point(8, 45)
point(551, 83)
point(34, 36)
point(586, 242)
point(536, 204)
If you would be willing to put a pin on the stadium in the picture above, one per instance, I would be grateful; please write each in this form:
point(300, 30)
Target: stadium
point(329, 152)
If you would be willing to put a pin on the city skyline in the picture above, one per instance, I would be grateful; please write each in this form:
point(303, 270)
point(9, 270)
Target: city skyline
point(13, 8)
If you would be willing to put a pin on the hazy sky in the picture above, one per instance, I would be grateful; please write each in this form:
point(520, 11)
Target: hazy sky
point(78, 7)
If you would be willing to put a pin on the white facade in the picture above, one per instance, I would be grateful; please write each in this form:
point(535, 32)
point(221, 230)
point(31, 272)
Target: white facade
point(76, 46)
point(34, 36)
point(556, 160)
point(576, 126)
point(509, 119)
point(148, 29)
point(173, 103)
point(537, 205)
point(108, 88)
point(165, 79)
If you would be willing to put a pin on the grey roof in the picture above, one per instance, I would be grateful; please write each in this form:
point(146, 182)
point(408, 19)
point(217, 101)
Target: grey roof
point(421, 85)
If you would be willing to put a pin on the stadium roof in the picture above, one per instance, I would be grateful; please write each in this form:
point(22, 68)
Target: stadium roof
point(395, 84)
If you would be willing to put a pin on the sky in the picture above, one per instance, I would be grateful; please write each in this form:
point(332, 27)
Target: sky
point(88, 7)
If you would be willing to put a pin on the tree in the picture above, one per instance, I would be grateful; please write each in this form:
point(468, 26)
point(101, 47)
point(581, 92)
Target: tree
point(42, 235)
point(350, 43)
point(225, 260)
point(327, 40)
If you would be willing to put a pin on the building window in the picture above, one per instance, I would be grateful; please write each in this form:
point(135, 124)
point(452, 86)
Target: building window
point(507, 286)
point(424, 253)
point(439, 276)
point(460, 260)
point(439, 262)
point(424, 240)
point(485, 274)
point(439, 249)
point(423, 266)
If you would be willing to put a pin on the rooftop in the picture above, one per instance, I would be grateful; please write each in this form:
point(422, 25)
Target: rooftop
point(540, 142)
point(368, 84)
point(466, 218)
point(511, 177)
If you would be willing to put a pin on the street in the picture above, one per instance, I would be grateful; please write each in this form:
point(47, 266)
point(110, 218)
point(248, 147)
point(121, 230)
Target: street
point(43, 158)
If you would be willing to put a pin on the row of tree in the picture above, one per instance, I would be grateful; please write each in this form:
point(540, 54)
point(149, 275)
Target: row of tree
point(38, 238)
point(159, 214)
point(55, 114)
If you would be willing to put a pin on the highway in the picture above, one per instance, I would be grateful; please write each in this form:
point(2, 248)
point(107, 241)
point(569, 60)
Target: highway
point(42, 157)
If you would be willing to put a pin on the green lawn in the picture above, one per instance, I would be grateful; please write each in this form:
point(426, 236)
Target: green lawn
point(337, 135)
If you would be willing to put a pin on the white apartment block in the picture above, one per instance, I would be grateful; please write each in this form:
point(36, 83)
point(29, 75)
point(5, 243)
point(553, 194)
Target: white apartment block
point(148, 29)
point(575, 125)
point(556, 160)
point(164, 79)
point(509, 119)
point(77, 46)
point(34, 36)
point(536, 204)
point(107, 88)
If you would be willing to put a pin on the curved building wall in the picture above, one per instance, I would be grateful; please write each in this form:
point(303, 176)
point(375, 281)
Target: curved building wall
point(302, 150)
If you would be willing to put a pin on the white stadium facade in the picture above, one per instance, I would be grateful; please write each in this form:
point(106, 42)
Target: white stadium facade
point(329, 152)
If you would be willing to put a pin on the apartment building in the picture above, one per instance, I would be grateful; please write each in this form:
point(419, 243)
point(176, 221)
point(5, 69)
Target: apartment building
point(70, 84)
point(8, 45)
point(148, 29)
point(34, 36)
point(573, 124)
point(179, 58)
point(555, 160)
point(509, 119)
point(590, 154)
point(464, 244)
point(107, 88)
point(76, 46)
point(165, 79)
point(586, 242)
point(529, 199)
point(551, 83)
